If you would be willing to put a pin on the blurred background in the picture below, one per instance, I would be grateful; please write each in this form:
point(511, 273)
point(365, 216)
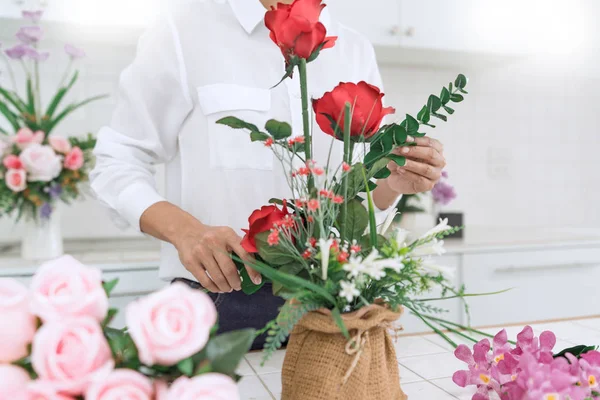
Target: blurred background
point(521, 149)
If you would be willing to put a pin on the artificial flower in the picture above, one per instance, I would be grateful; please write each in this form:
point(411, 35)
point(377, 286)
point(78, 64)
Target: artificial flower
point(210, 386)
point(41, 163)
point(433, 247)
point(441, 227)
point(443, 193)
point(325, 247)
point(60, 144)
point(74, 52)
point(262, 220)
point(296, 28)
point(121, 384)
point(26, 137)
point(44, 390)
point(366, 105)
point(16, 180)
point(13, 382)
point(30, 34)
point(349, 291)
point(33, 16)
point(18, 323)
point(12, 162)
point(74, 159)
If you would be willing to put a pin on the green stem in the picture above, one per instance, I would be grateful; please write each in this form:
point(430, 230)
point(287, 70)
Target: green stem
point(466, 328)
point(347, 126)
point(305, 117)
point(372, 221)
point(11, 73)
point(436, 330)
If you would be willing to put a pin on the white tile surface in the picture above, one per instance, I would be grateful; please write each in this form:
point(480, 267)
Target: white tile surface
point(415, 346)
point(425, 391)
point(572, 332)
point(244, 369)
point(589, 323)
point(460, 393)
point(251, 388)
point(408, 376)
point(271, 366)
point(433, 366)
point(273, 383)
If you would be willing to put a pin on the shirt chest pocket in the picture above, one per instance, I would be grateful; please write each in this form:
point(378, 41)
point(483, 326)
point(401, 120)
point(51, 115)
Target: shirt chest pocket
point(232, 148)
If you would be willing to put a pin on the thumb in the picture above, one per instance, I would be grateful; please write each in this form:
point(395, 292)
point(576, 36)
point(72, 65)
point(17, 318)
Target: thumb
point(248, 259)
point(255, 276)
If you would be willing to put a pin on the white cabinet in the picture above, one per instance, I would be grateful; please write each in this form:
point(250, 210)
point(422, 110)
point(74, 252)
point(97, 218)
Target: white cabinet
point(379, 20)
point(546, 284)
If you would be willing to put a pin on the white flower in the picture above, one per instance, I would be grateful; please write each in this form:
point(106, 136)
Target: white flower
point(41, 163)
point(395, 264)
point(349, 291)
point(376, 270)
point(430, 266)
point(401, 236)
point(434, 247)
point(441, 227)
point(354, 267)
point(325, 246)
point(388, 221)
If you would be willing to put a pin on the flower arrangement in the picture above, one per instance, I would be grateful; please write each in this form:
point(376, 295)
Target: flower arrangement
point(56, 343)
point(36, 169)
point(529, 370)
point(323, 249)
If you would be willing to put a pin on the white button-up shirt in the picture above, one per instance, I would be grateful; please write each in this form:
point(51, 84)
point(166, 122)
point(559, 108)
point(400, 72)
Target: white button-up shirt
point(201, 63)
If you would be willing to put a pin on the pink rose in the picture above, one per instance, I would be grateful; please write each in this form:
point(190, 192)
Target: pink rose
point(65, 288)
point(18, 324)
point(71, 354)
point(12, 162)
point(161, 390)
point(205, 387)
point(25, 137)
point(122, 384)
point(60, 144)
point(41, 163)
point(13, 382)
point(171, 325)
point(44, 390)
point(16, 180)
point(74, 160)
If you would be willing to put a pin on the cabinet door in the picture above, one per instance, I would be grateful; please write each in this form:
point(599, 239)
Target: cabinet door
point(464, 25)
point(378, 20)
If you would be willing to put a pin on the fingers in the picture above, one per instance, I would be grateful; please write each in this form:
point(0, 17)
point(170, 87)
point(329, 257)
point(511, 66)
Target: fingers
point(229, 270)
point(430, 172)
point(212, 267)
point(428, 154)
point(426, 141)
point(237, 248)
point(205, 281)
point(418, 183)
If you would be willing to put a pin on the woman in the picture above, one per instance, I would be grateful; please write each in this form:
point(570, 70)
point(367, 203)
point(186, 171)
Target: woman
point(205, 61)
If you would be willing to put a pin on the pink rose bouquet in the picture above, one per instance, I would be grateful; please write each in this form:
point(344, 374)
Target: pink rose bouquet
point(56, 342)
point(38, 169)
point(529, 370)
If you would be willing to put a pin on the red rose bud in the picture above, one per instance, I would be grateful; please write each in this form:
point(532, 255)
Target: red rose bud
point(260, 221)
point(296, 29)
point(367, 112)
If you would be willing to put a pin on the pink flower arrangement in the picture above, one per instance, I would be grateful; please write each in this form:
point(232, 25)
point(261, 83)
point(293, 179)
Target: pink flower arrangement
point(529, 371)
point(56, 342)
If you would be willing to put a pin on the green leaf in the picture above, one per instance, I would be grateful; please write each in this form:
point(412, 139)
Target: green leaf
point(258, 136)
point(227, 350)
point(48, 127)
point(236, 123)
point(110, 285)
point(450, 87)
point(337, 317)
point(356, 217)
point(577, 351)
point(13, 99)
point(410, 124)
point(289, 71)
point(10, 116)
point(203, 368)
point(112, 312)
point(30, 97)
point(316, 53)
point(60, 95)
point(400, 160)
point(445, 96)
point(279, 130)
point(274, 255)
point(440, 116)
point(293, 269)
point(377, 166)
point(372, 185)
point(457, 98)
point(449, 110)
point(434, 103)
point(383, 173)
point(248, 287)
point(461, 81)
point(399, 134)
point(123, 348)
point(186, 366)
point(424, 115)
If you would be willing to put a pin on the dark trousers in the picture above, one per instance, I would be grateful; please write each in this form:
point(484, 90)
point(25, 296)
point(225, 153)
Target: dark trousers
point(239, 311)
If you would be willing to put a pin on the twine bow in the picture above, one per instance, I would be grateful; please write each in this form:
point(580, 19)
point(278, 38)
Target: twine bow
point(355, 346)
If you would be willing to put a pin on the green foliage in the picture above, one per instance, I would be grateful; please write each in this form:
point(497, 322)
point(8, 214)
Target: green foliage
point(248, 287)
point(356, 217)
point(110, 285)
point(227, 350)
point(274, 255)
point(186, 366)
point(236, 123)
point(577, 351)
point(110, 315)
point(278, 130)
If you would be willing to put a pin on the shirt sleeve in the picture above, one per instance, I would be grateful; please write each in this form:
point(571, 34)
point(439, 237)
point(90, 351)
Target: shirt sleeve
point(153, 103)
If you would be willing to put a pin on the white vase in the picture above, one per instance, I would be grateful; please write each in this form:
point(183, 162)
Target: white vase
point(42, 239)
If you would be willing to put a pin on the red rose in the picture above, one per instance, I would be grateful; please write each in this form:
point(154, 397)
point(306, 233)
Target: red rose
point(262, 220)
point(367, 114)
point(296, 29)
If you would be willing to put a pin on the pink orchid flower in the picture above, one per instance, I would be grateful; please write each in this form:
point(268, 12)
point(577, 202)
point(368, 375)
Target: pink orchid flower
point(479, 373)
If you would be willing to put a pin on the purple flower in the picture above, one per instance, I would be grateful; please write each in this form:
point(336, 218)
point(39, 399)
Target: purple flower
point(46, 210)
point(30, 34)
point(17, 52)
point(74, 52)
point(54, 191)
point(445, 174)
point(33, 16)
point(443, 193)
point(39, 56)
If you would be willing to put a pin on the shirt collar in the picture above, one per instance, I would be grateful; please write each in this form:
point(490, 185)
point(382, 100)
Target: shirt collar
point(250, 13)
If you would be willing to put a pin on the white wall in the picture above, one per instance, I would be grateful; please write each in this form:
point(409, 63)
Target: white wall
point(521, 150)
